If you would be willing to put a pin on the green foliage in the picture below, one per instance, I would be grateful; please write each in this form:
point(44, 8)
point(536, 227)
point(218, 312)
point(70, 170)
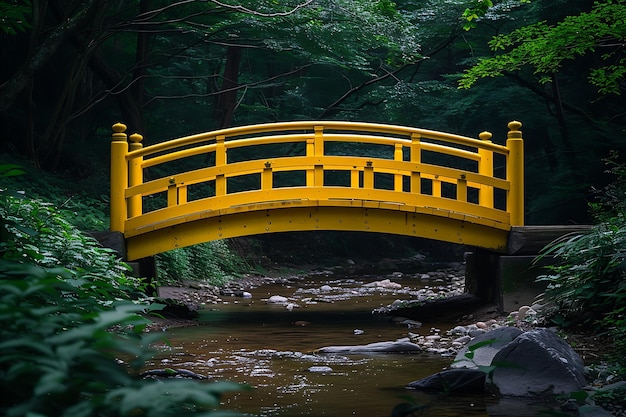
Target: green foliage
point(611, 398)
point(544, 48)
point(211, 262)
point(588, 285)
point(41, 236)
point(58, 356)
point(82, 203)
point(15, 16)
point(479, 9)
point(71, 342)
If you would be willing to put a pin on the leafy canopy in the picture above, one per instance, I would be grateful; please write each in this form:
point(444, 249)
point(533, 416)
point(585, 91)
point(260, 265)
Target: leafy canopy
point(545, 48)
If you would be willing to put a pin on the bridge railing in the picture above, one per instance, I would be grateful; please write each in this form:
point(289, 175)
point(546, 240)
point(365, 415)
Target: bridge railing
point(316, 163)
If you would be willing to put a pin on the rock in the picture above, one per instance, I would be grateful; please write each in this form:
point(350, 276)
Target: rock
point(326, 288)
point(537, 362)
point(378, 347)
point(458, 331)
point(277, 299)
point(472, 356)
point(462, 340)
point(476, 332)
point(593, 411)
point(175, 309)
point(452, 380)
point(385, 283)
point(358, 331)
point(320, 369)
point(411, 324)
point(171, 373)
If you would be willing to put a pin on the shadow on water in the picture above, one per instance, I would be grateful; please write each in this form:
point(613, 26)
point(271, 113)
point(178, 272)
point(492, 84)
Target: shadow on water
point(273, 349)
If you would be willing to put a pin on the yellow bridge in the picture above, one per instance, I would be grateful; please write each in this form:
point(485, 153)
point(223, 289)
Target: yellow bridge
point(315, 175)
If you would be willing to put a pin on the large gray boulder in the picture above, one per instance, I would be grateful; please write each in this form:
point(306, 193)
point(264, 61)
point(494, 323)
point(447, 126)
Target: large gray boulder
point(537, 362)
point(481, 350)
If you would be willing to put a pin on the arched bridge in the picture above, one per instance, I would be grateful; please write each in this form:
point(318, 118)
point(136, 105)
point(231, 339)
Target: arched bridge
point(315, 175)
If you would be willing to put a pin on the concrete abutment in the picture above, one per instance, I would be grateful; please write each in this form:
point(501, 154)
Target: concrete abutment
point(508, 279)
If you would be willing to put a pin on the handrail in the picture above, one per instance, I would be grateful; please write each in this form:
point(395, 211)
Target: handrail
point(421, 169)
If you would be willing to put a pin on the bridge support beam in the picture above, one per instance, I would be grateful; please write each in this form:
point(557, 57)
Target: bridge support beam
point(508, 279)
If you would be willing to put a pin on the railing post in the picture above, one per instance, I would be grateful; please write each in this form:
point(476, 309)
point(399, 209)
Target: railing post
point(135, 175)
point(220, 162)
point(267, 177)
point(119, 178)
point(515, 173)
point(397, 178)
point(485, 167)
point(416, 159)
point(368, 175)
point(318, 151)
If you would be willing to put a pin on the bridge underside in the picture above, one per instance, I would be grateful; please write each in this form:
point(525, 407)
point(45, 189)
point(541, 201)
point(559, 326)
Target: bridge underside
point(284, 217)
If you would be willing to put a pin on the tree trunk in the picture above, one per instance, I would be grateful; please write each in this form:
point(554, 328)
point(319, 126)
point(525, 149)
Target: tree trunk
point(227, 98)
point(20, 79)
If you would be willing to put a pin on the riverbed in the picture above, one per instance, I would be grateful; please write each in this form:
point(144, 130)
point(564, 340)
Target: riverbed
point(272, 348)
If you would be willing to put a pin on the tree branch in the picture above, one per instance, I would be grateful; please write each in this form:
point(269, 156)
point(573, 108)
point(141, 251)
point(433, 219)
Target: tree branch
point(18, 81)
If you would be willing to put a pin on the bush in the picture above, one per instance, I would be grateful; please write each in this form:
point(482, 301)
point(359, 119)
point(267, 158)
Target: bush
point(588, 286)
point(58, 356)
point(40, 235)
point(71, 339)
point(211, 262)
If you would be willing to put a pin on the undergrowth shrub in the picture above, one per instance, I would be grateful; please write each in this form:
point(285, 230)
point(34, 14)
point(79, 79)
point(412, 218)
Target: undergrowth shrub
point(84, 203)
point(59, 356)
point(41, 236)
point(211, 262)
point(588, 284)
point(72, 340)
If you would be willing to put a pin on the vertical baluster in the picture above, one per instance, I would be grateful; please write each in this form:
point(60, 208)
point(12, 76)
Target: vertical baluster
point(135, 175)
point(436, 186)
point(485, 167)
point(172, 193)
point(368, 175)
point(461, 189)
point(220, 164)
point(267, 177)
point(416, 160)
point(397, 179)
point(318, 145)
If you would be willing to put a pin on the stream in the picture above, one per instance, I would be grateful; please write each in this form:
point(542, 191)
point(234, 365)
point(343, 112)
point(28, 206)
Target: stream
point(271, 347)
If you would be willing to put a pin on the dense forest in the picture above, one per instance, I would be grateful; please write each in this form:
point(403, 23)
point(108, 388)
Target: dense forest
point(168, 69)
point(70, 69)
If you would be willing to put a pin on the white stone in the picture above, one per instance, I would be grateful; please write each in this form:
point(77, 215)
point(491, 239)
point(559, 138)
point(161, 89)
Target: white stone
point(521, 312)
point(277, 299)
point(320, 369)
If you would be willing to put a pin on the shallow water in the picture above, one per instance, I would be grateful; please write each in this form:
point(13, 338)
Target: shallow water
point(272, 348)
